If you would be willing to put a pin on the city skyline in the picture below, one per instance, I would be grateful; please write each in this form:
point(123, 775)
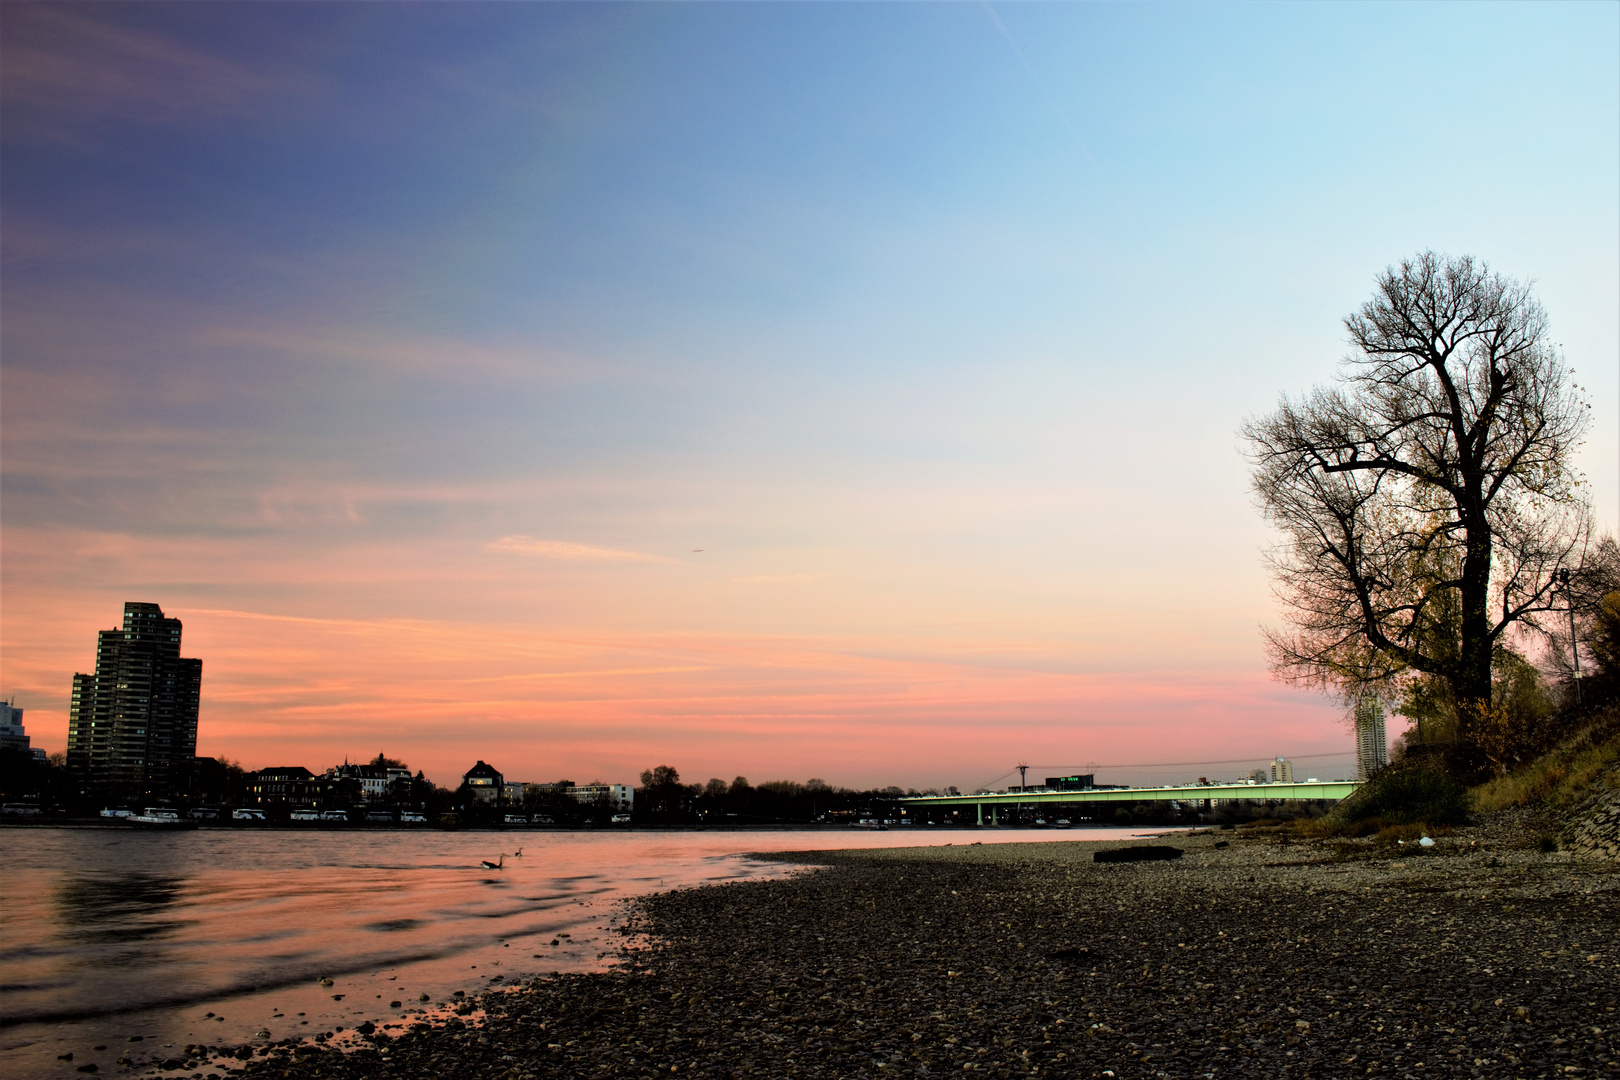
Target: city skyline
point(847, 391)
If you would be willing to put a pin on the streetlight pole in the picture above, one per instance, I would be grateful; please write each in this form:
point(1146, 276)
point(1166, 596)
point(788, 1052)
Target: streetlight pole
point(1574, 646)
point(1023, 786)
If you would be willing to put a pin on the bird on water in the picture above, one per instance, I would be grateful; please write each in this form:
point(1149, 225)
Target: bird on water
point(496, 865)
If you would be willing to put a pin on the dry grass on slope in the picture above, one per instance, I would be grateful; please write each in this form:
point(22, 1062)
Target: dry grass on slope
point(1564, 777)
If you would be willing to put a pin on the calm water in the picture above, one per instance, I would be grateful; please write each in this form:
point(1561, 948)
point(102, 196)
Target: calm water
point(110, 933)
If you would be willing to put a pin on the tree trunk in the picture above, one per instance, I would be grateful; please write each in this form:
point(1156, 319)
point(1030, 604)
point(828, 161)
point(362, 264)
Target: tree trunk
point(1472, 684)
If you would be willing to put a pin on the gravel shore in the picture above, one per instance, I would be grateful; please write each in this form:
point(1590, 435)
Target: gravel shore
point(1249, 956)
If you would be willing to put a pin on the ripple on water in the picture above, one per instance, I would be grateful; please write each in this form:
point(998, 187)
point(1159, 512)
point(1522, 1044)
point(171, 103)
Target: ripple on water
point(111, 934)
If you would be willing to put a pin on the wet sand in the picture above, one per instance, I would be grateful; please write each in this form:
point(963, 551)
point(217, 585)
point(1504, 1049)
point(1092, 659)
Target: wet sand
point(1480, 956)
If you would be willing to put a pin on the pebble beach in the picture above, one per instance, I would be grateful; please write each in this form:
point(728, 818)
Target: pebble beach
point(1253, 954)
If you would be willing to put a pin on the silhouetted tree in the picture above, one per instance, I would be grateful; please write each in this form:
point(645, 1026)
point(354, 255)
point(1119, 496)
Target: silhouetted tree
point(1427, 501)
point(660, 793)
point(1604, 641)
point(215, 781)
point(1588, 594)
point(24, 777)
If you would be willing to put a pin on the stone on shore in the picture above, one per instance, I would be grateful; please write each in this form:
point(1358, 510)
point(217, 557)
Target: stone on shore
point(1265, 959)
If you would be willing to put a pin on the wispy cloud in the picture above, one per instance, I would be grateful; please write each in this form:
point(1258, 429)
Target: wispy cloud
point(564, 549)
point(399, 354)
point(74, 66)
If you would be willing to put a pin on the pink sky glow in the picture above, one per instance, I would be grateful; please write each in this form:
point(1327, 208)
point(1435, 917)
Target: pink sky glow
point(839, 391)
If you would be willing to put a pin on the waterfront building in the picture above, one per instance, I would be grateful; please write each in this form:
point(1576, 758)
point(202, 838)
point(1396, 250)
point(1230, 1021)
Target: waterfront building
point(1372, 746)
point(483, 782)
point(620, 798)
point(133, 723)
point(12, 735)
point(516, 792)
point(1282, 771)
point(376, 781)
point(290, 787)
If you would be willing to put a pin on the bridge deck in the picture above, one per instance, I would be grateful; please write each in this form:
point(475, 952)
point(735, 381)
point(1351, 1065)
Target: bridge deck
point(1317, 789)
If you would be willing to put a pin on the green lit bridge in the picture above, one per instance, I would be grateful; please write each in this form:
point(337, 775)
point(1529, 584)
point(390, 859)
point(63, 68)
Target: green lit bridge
point(1330, 791)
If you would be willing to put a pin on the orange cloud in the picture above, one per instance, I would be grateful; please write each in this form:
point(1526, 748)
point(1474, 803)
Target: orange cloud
point(436, 651)
point(564, 549)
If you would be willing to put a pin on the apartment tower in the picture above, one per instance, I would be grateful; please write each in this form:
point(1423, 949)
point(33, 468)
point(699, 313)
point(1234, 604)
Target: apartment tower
point(1372, 746)
point(133, 724)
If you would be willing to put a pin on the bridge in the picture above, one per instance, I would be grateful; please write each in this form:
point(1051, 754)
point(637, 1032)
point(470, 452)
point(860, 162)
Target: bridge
point(1332, 790)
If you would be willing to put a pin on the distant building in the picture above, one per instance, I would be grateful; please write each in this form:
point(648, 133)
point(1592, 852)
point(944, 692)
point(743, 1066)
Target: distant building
point(1282, 771)
point(619, 798)
point(520, 792)
point(1260, 776)
point(1372, 746)
point(484, 782)
point(133, 724)
point(374, 780)
point(12, 736)
point(290, 787)
point(1083, 782)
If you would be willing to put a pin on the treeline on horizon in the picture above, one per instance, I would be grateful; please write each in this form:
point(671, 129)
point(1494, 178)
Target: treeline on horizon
point(661, 797)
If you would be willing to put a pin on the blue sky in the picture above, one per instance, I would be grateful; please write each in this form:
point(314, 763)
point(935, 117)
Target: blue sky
point(932, 325)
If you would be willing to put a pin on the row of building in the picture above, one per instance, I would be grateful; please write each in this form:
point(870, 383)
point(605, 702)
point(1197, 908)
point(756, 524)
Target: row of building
point(484, 783)
point(293, 787)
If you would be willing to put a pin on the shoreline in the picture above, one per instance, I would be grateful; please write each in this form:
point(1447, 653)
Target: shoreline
point(1480, 956)
point(1071, 832)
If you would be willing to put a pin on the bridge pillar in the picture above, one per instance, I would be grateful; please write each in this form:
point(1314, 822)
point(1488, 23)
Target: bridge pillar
point(980, 808)
point(994, 816)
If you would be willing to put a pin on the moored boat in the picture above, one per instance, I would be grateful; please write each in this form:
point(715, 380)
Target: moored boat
point(160, 817)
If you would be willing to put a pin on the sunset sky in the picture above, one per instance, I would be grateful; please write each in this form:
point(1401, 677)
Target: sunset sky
point(834, 390)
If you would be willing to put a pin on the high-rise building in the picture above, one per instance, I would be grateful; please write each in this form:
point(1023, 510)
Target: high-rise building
point(1372, 748)
point(12, 735)
point(1282, 771)
point(133, 724)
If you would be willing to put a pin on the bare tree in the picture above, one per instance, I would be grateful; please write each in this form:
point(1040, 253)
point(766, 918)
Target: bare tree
point(1584, 596)
point(1425, 501)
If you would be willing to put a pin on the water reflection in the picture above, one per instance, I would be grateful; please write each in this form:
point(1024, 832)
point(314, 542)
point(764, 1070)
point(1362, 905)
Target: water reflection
point(101, 909)
point(110, 934)
point(394, 924)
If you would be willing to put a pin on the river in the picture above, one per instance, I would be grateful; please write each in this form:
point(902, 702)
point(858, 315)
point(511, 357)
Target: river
point(114, 937)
